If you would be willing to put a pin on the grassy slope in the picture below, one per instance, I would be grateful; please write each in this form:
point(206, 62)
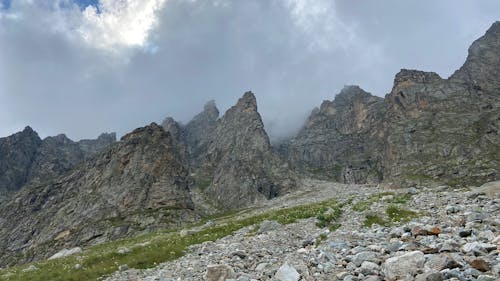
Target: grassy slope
point(147, 251)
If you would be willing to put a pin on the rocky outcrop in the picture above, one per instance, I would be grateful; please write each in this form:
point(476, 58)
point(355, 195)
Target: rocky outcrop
point(26, 159)
point(230, 159)
point(90, 147)
point(16, 155)
point(197, 133)
point(339, 138)
point(139, 183)
point(482, 67)
point(54, 157)
point(440, 130)
point(428, 129)
point(193, 137)
point(240, 165)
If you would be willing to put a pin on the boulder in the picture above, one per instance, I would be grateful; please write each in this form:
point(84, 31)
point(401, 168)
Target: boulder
point(400, 266)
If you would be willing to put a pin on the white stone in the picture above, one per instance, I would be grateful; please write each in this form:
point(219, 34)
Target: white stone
point(287, 273)
point(123, 250)
point(65, 252)
point(30, 268)
point(400, 266)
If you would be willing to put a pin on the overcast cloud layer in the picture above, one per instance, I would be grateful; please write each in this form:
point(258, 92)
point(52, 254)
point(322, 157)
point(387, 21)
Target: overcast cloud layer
point(67, 67)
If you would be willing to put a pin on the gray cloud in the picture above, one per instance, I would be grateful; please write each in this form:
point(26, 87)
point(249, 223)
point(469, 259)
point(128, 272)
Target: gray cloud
point(291, 55)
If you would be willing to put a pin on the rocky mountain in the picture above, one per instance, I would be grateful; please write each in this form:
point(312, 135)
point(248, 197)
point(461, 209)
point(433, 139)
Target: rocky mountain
point(138, 183)
point(26, 159)
point(339, 138)
point(427, 129)
point(16, 155)
point(230, 159)
point(240, 165)
point(145, 181)
point(90, 147)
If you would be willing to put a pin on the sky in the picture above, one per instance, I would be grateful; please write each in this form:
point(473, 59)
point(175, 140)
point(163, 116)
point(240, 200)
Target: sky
point(83, 67)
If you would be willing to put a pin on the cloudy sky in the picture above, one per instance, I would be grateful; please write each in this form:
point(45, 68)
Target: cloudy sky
point(88, 66)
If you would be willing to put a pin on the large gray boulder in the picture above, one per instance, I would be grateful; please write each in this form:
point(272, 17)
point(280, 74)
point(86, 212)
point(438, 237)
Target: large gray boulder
point(401, 266)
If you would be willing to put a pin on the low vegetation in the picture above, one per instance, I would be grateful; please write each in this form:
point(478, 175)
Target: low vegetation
point(392, 198)
point(398, 214)
point(151, 249)
point(371, 219)
point(394, 214)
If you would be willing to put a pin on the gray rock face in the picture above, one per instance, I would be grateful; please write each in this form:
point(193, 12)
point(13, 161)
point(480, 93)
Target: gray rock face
point(230, 159)
point(108, 196)
point(26, 159)
point(55, 156)
point(16, 155)
point(90, 147)
point(239, 162)
point(482, 66)
point(427, 130)
point(197, 133)
point(337, 140)
point(401, 266)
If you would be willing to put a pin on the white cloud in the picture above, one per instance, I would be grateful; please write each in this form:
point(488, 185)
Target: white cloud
point(319, 21)
point(119, 23)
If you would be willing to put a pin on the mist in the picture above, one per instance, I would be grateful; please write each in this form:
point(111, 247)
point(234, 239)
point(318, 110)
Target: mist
point(63, 71)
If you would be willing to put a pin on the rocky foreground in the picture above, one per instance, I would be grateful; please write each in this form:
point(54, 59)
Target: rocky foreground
point(418, 233)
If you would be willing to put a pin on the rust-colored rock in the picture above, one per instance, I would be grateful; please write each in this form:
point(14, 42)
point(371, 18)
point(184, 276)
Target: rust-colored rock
point(480, 265)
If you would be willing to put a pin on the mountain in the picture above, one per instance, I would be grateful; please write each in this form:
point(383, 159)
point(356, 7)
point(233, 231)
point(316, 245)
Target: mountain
point(150, 179)
point(426, 130)
point(26, 159)
point(240, 165)
point(138, 183)
point(339, 139)
point(16, 155)
point(231, 161)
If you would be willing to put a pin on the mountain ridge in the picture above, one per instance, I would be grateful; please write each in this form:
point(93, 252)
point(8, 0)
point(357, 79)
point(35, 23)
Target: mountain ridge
point(426, 131)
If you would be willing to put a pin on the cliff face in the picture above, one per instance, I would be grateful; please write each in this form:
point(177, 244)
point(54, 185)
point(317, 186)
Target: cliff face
point(136, 184)
point(339, 138)
point(441, 131)
point(428, 129)
point(482, 66)
point(240, 164)
point(26, 159)
point(230, 159)
point(16, 155)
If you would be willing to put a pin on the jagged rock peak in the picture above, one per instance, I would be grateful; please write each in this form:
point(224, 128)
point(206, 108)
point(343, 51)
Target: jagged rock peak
point(211, 108)
point(168, 123)
point(416, 76)
point(247, 102)
point(351, 93)
point(210, 113)
point(482, 65)
point(173, 127)
point(28, 129)
point(107, 136)
point(153, 130)
point(27, 132)
point(59, 139)
point(407, 78)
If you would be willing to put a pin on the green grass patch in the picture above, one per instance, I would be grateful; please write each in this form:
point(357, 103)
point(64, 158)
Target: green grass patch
point(371, 219)
point(396, 199)
point(328, 218)
point(322, 237)
point(398, 214)
point(151, 249)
